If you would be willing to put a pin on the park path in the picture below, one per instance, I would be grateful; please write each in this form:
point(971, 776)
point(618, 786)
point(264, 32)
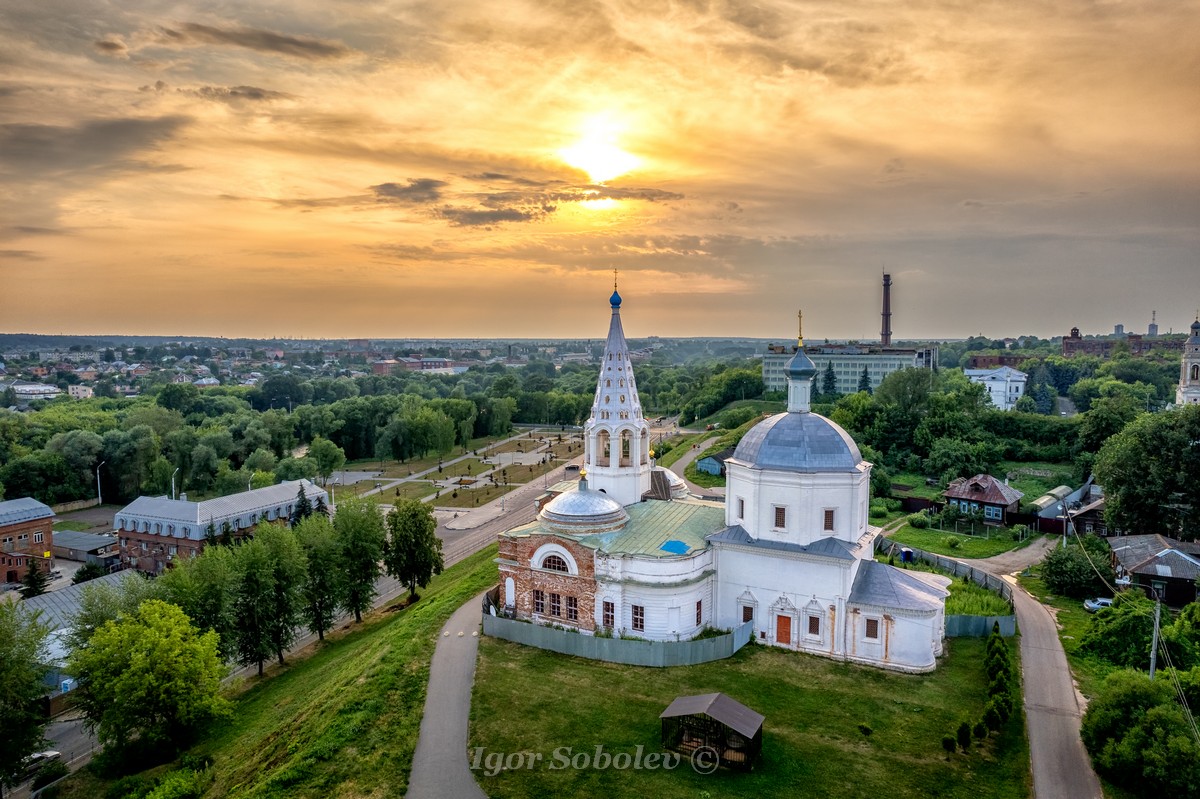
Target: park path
point(680, 465)
point(1061, 766)
point(439, 767)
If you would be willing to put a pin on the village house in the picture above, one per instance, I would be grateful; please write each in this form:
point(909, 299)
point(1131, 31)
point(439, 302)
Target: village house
point(984, 493)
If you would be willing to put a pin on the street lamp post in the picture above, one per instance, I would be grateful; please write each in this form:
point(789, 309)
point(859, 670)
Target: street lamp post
point(173, 482)
point(99, 499)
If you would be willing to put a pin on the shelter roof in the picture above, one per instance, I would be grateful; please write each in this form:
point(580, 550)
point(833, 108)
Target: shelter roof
point(730, 712)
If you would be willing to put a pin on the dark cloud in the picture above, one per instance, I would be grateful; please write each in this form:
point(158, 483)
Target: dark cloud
point(20, 255)
point(33, 230)
point(500, 177)
point(230, 94)
point(113, 47)
point(103, 145)
point(264, 41)
point(418, 190)
point(412, 252)
point(474, 217)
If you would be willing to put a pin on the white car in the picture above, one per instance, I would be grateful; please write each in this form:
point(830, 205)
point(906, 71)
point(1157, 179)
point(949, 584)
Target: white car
point(1093, 605)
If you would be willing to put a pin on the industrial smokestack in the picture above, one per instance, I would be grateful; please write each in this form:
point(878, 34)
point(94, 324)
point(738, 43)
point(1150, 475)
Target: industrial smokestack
point(885, 333)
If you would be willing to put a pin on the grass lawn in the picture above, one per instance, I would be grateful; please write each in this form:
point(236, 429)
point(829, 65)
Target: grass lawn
point(967, 598)
point(1048, 476)
point(472, 497)
point(70, 524)
point(342, 722)
point(916, 486)
point(526, 699)
point(416, 489)
point(759, 406)
point(969, 546)
point(681, 445)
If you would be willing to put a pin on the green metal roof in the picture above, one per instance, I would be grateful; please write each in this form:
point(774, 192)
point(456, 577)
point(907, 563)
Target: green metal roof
point(651, 524)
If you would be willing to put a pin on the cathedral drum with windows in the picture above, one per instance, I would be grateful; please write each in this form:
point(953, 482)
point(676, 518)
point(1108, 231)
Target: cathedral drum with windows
point(628, 550)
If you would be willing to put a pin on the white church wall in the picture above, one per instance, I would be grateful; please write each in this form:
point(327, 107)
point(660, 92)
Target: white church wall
point(772, 576)
point(907, 640)
point(669, 612)
point(804, 498)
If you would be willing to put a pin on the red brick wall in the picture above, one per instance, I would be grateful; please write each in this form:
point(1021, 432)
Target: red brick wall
point(155, 557)
point(528, 579)
point(12, 565)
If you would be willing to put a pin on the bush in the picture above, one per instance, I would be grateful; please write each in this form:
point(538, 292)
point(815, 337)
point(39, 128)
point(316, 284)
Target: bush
point(991, 717)
point(949, 743)
point(182, 784)
point(918, 521)
point(54, 770)
point(980, 730)
point(878, 512)
point(963, 736)
point(135, 786)
point(951, 542)
point(865, 729)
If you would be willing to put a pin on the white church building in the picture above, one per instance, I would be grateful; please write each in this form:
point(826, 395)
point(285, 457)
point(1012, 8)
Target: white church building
point(630, 552)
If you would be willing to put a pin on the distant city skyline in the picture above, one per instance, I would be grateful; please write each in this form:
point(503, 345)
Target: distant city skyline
point(460, 170)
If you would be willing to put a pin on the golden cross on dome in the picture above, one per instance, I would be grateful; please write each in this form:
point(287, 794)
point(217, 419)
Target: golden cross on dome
point(614, 280)
point(799, 328)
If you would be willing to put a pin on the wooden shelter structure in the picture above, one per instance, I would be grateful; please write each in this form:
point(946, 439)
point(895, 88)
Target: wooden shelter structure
point(724, 725)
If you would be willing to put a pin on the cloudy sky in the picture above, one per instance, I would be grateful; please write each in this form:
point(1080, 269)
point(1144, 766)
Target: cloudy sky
point(464, 168)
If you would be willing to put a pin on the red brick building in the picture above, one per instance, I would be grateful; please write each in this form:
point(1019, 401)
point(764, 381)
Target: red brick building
point(26, 532)
point(552, 580)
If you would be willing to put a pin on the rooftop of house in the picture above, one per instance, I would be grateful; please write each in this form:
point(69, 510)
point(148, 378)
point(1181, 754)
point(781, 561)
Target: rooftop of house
point(983, 488)
point(23, 509)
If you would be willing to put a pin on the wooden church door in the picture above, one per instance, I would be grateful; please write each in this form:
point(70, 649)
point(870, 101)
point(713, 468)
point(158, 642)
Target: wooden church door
point(783, 629)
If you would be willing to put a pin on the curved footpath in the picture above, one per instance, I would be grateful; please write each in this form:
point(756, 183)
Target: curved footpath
point(440, 763)
point(1061, 766)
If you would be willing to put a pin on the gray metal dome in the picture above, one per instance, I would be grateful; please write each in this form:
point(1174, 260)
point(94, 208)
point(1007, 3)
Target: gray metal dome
point(798, 442)
point(583, 512)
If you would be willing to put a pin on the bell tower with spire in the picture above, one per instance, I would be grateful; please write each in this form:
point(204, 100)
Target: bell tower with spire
point(617, 450)
point(1188, 392)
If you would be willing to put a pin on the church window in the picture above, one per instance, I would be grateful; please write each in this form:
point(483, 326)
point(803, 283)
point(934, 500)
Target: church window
point(639, 618)
point(780, 517)
point(829, 519)
point(554, 563)
point(621, 382)
point(699, 612)
point(741, 508)
point(555, 605)
point(747, 613)
point(539, 601)
point(608, 617)
point(605, 399)
point(872, 628)
point(607, 383)
point(572, 609)
point(1196, 371)
point(814, 625)
point(622, 398)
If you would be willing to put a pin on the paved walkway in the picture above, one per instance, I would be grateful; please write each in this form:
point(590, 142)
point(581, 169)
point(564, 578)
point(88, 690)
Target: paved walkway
point(1061, 766)
point(440, 762)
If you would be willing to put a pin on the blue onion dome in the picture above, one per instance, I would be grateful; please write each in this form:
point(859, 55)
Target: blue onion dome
point(798, 442)
point(1196, 328)
point(615, 299)
point(800, 366)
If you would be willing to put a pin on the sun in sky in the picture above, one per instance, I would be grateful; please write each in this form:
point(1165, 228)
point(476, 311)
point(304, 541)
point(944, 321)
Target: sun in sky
point(597, 152)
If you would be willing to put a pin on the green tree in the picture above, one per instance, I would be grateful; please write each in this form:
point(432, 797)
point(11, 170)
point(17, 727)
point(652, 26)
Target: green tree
point(100, 603)
point(1150, 471)
point(864, 381)
point(1070, 571)
point(324, 590)
point(1122, 634)
point(253, 603)
point(36, 581)
point(261, 460)
point(23, 654)
point(206, 587)
point(1138, 736)
point(829, 381)
point(360, 532)
point(178, 397)
point(302, 508)
point(205, 465)
point(1026, 404)
point(413, 552)
point(150, 675)
point(328, 456)
point(296, 469)
point(289, 572)
point(89, 571)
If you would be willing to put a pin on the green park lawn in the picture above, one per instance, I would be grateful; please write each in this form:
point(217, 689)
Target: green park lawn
point(471, 497)
point(991, 542)
point(832, 729)
point(681, 445)
point(757, 405)
point(342, 721)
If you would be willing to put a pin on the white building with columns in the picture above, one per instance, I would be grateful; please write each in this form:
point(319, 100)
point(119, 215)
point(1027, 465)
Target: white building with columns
point(628, 551)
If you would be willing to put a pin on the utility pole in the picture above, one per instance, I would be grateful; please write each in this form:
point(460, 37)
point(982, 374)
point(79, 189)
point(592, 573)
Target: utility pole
point(99, 499)
point(1154, 643)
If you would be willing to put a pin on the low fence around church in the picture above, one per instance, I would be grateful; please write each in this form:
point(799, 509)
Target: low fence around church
point(629, 652)
point(962, 626)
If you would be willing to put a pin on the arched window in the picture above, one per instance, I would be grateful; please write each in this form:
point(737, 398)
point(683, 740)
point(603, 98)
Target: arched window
point(554, 563)
point(1196, 371)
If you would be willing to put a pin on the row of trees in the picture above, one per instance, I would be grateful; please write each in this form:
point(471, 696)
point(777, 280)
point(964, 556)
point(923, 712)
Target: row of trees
point(150, 655)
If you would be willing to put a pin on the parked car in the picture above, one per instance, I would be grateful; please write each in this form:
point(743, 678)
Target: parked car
point(35, 762)
point(1093, 605)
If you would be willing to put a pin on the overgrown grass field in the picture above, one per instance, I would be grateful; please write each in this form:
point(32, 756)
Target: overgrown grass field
point(985, 545)
point(832, 729)
point(342, 722)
